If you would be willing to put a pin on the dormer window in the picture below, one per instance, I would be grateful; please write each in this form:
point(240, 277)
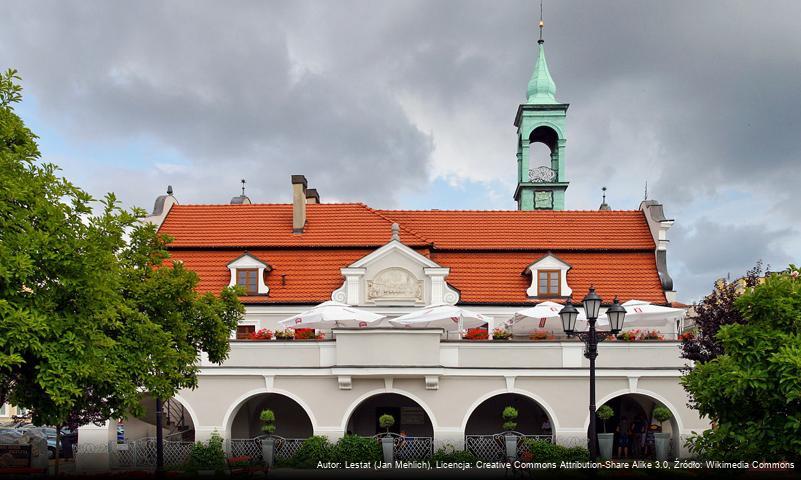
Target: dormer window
point(549, 283)
point(248, 272)
point(548, 278)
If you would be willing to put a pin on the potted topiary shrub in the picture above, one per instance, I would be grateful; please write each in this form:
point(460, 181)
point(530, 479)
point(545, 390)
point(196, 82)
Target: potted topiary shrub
point(509, 416)
point(605, 440)
point(661, 439)
point(386, 421)
point(267, 418)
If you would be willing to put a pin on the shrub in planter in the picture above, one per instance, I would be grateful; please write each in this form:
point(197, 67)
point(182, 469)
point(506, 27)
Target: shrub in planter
point(267, 417)
point(353, 448)
point(501, 334)
point(312, 450)
point(605, 413)
point(662, 414)
point(449, 453)
point(287, 334)
point(476, 334)
point(509, 416)
point(386, 421)
point(263, 334)
point(208, 456)
point(542, 451)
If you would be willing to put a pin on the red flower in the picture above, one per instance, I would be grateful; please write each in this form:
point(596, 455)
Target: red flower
point(476, 334)
point(262, 334)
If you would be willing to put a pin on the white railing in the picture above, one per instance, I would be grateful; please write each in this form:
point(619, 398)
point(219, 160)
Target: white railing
point(493, 447)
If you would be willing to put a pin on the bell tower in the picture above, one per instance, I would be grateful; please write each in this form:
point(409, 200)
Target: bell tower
point(540, 123)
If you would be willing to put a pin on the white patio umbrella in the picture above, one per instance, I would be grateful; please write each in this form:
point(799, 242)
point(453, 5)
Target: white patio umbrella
point(644, 314)
point(543, 316)
point(447, 317)
point(329, 315)
point(640, 313)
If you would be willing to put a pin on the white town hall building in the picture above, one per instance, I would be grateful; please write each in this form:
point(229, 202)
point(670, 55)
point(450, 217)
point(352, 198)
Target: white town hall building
point(448, 390)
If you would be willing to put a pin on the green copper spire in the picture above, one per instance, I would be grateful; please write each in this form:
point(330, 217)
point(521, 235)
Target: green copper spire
point(541, 87)
point(540, 124)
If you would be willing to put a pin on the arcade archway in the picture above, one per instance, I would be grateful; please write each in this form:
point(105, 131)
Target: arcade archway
point(410, 417)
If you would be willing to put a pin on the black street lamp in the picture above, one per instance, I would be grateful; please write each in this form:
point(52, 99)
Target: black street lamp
point(569, 315)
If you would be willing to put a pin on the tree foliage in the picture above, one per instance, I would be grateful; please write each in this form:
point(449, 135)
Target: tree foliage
point(752, 389)
point(714, 311)
point(92, 312)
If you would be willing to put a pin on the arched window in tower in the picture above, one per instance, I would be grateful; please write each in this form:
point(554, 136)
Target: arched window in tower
point(543, 162)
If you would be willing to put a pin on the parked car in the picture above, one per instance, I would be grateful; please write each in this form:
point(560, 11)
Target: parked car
point(68, 438)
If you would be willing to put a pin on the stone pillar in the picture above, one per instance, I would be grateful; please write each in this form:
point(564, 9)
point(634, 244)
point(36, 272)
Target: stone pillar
point(203, 433)
point(449, 436)
point(94, 444)
point(332, 433)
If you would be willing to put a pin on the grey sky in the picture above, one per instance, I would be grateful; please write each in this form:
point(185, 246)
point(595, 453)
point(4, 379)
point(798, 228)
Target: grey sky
point(398, 103)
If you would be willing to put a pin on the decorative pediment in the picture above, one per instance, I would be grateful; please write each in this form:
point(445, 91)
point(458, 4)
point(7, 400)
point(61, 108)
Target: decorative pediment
point(395, 275)
point(546, 268)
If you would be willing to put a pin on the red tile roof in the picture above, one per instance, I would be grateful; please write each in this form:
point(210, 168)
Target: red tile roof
point(486, 251)
point(515, 230)
point(270, 225)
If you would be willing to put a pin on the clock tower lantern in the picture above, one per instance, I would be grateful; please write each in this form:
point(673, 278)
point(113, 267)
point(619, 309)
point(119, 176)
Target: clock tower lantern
point(540, 123)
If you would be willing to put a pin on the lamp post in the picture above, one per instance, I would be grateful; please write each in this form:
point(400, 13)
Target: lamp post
point(569, 315)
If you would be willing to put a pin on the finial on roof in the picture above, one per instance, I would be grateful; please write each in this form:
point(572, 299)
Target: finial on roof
point(243, 186)
point(169, 189)
point(542, 24)
point(541, 87)
point(395, 232)
point(604, 206)
point(646, 191)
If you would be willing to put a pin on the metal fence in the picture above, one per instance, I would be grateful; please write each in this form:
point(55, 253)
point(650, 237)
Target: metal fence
point(251, 447)
point(493, 447)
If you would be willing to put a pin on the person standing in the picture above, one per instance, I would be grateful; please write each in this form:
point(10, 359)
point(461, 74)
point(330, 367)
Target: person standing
point(623, 437)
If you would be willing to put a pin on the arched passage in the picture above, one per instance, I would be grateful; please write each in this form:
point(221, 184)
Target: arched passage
point(178, 421)
point(486, 419)
point(410, 417)
point(291, 420)
point(633, 415)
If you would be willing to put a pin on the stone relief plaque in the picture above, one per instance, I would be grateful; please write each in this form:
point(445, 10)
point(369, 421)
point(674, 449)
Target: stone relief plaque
point(395, 284)
point(543, 199)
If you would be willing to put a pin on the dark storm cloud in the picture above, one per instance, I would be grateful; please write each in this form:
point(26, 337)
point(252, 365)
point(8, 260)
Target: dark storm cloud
point(711, 250)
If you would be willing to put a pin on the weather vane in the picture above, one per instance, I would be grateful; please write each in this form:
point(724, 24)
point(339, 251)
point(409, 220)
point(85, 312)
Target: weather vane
point(542, 24)
point(243, 186)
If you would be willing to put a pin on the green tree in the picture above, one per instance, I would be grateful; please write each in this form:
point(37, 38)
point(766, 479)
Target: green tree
point(752, 390)
point(92, 313)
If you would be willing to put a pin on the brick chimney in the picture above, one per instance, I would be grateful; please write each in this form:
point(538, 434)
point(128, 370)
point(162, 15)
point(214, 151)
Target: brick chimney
point(312, 196)
point(298, 203)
